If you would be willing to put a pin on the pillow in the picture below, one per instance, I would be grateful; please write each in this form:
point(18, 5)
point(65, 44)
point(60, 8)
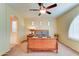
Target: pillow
point(44, 37)
point(34, 37)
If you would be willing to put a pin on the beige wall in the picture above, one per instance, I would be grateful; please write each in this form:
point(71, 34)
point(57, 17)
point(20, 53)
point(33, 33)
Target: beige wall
point(44, 24)
point(63, 23)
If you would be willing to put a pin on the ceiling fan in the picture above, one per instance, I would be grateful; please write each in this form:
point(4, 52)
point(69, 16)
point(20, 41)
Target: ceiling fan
point(43, 9)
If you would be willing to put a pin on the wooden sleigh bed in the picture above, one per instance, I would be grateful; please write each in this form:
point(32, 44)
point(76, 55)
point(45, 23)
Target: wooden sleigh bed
point(42, 44)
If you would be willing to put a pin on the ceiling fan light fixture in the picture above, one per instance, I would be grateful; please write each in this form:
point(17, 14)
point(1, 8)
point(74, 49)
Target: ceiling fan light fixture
point(43, 11)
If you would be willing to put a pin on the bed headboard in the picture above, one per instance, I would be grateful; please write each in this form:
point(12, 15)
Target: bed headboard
point(41, 33)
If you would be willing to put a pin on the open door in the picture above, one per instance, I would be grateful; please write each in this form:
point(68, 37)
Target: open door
point(13, 30)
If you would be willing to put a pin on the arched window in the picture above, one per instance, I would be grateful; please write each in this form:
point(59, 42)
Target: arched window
point(74, 29)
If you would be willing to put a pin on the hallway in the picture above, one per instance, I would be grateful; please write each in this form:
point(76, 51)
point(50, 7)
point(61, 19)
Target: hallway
point(63, 51)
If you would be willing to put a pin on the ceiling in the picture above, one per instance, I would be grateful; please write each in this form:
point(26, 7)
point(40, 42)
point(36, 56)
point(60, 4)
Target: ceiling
point(23, 9)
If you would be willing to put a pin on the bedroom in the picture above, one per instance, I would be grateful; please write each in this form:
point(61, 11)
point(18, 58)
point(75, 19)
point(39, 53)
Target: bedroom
point(56, 23)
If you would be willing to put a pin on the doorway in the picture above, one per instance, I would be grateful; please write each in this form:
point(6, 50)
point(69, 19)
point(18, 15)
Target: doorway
point(13, 30)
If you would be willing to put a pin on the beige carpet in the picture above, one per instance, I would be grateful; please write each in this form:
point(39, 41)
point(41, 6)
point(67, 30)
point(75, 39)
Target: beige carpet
point(21, 50)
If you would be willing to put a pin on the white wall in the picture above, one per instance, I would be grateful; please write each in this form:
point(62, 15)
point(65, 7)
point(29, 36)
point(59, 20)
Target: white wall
point(12, 11)
point(22, 30)
point(4, 40)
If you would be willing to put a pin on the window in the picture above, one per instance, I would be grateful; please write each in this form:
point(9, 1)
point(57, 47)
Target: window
point(48, 23)
point(32, 23)
point(74, 29)
point(14, 26)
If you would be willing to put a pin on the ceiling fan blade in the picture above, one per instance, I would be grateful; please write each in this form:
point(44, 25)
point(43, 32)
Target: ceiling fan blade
point(51, 6)
point(34, 9)
point(48, 12)
point(39, 14)
point(40, 4)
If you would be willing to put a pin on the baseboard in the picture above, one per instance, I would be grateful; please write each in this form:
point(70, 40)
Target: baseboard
point(3, 54)
point(69, 47)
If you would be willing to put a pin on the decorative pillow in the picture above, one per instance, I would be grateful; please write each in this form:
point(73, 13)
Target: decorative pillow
point(34, 37)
